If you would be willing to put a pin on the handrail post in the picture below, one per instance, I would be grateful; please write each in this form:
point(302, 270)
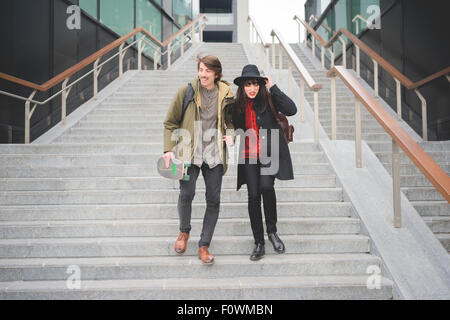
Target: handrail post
point(313, 46)
point(344, 53)
point(424, 115)
point(97, 71)
point(333, 108)
point(302, 98)
point(358, 133)
point(280, 61)
point(202, 28)
point(169, 56)
point(322, 57)
point(358, 62)
point(332, 58)
point(250, 22)
point(290, 78)
point(121, 56)
point(155, 60)
point(375, 77)
point(64, 95)
point(306, 38)
point(28, 115)
point(193, 34)
point(396, 184)
point(399, 98)
point(316, 116)
point(273, 52)
point(141, 46)
point(183, 39)
point(267, 62)
point(299, 33)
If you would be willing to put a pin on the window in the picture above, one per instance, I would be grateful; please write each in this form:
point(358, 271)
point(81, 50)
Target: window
point(182, 11)
point(216, 6)
point(148, 17)
point(90, 7)
point(118, 15)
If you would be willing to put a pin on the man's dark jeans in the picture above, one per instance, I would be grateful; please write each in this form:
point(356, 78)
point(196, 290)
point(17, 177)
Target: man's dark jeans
point(213, 183)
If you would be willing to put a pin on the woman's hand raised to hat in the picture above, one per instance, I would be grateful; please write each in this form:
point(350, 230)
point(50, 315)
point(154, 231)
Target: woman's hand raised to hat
point(269, 82)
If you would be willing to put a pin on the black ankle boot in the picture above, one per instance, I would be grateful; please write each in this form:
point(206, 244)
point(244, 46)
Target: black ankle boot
point(258, 252)
point(278, 245)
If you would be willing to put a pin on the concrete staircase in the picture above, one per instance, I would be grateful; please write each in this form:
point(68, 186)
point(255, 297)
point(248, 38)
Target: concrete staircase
point(424, 197)
point(93, 200)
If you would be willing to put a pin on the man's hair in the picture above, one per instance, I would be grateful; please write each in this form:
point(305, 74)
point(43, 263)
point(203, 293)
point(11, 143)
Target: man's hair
point(212, 63)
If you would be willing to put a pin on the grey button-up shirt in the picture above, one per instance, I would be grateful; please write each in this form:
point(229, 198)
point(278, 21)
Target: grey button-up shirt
point(207, 149)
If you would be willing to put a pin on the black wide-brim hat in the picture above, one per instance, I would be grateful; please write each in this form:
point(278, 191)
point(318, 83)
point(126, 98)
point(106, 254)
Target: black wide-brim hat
point(250, 71)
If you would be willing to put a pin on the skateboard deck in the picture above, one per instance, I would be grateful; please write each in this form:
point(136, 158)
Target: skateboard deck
point(177, 169)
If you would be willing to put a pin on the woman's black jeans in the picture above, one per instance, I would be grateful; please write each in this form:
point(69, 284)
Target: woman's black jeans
point(260, 185)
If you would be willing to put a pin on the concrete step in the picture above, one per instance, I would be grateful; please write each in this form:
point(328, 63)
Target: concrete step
point(77, 149)
point(124, 171)
point(156, 196)
point(163, 246)
point(168, 228)
point(185, 267)
point(437, 156)
point(422, 194)
point(444, 238)
point(407, 169)
point(438, 224)
point(242, 288)
point(149, 183)
point(432, 208)
point(53, 213)
point(119, 158)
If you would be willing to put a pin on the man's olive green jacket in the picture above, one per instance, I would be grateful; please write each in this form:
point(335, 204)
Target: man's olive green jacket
point(177, 140)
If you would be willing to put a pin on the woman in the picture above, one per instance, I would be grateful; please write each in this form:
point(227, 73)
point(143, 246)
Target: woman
point(253, 115)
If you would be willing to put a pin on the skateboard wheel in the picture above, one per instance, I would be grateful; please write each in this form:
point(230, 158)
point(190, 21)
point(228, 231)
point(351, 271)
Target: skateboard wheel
point(186, 178)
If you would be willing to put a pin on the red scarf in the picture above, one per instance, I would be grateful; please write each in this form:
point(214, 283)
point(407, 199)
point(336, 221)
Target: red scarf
point(252, 150)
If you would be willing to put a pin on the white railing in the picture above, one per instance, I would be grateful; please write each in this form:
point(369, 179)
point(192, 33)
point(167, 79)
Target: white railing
point(293, 62)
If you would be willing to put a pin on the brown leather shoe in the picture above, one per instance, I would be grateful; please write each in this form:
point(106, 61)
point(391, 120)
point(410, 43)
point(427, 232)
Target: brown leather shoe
point(180, 244)
point(205, 256)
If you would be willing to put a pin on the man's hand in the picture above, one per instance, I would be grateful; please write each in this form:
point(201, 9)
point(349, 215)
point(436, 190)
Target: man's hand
point(167, 156)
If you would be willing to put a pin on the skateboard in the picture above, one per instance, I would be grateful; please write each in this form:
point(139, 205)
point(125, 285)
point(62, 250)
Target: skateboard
point(177, 169)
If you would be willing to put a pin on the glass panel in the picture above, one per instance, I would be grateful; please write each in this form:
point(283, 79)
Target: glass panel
point(148, 17)
point(182, 11)
point(118, 15)
point(90, 7)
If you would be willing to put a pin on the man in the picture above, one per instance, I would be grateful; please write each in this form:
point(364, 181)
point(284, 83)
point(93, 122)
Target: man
point(201, 137)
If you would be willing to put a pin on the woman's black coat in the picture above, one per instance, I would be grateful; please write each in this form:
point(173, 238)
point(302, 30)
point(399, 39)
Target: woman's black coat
point(266, 120)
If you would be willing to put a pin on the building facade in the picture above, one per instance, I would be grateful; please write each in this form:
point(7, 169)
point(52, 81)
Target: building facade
point(411, 35)
point(227, 20)
point(41, 44)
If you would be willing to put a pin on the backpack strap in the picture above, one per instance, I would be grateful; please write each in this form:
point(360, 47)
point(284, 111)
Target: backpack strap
point(187, 99)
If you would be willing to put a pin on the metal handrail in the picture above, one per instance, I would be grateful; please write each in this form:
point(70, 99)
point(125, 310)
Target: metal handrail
point(399, 78)
point(305, 78)
point(196, 24)
point(400, 139)
point(360, 17)
point(293, 60)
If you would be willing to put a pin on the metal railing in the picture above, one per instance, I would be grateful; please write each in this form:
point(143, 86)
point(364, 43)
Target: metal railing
point(400, 139)
point(187, 34)
point(293, 62)
point(377, 60)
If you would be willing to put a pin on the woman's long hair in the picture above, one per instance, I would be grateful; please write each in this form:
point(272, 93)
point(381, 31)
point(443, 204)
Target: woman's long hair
point(261, 99)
